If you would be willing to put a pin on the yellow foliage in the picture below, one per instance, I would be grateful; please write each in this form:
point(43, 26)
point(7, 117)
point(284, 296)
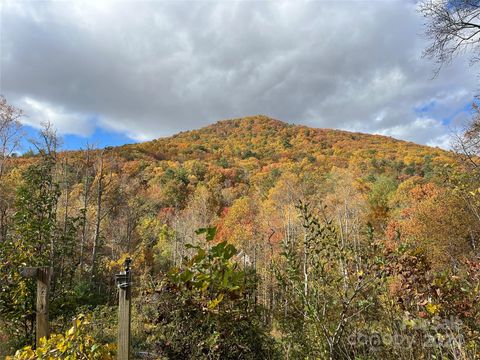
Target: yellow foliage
point(113, 265)
point(74, 344)
point(432, 308)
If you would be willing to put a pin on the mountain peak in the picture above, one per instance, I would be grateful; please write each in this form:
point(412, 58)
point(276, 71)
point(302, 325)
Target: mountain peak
point(249, 121)
point(269, 140)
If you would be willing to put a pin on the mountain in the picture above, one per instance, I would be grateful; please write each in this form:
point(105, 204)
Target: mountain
point(247, 231)
point(202, 174)
point(268, 141)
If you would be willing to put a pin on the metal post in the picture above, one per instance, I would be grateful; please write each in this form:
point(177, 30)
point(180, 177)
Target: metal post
point(42, 275)
point(124, 281)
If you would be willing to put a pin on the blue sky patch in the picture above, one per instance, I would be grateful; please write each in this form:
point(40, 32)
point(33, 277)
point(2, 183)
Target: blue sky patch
point(101, 138)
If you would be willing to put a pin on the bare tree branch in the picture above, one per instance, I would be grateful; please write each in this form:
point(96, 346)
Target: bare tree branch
point(10, 131)
point(453, 27)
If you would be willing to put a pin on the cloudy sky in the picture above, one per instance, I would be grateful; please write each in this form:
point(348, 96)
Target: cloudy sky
point(124, 71)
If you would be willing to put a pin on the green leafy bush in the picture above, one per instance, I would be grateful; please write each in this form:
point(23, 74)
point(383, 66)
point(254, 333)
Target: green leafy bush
point(206, 310)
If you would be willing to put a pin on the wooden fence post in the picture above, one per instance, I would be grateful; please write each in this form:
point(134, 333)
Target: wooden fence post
point(124, 284)
point(43, 276)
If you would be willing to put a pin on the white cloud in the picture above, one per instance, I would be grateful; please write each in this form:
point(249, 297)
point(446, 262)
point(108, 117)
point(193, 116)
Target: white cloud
point(443, 141)
point(149, 69)
point(423, 130)
point(65, 122)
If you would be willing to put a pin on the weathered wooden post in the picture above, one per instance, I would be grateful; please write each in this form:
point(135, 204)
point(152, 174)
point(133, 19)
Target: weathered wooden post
point(42, 274)
point(124, 284)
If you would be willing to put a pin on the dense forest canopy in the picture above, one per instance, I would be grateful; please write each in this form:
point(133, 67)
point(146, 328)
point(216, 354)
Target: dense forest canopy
point(315, 244)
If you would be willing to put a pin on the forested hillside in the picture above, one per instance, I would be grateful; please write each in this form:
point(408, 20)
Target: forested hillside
point(250, 239)
point(272, 141)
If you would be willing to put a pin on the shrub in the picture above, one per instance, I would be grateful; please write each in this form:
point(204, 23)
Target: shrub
point(74, 344)
point(206, 310)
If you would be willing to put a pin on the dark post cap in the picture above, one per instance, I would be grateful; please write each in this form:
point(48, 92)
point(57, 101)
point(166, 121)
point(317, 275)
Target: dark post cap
point(128, 261)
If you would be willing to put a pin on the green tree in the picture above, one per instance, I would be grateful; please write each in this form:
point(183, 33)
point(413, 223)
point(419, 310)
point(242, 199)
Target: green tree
point(379, 199)
point(204, 310)
point(174, 183)
point(31, 244)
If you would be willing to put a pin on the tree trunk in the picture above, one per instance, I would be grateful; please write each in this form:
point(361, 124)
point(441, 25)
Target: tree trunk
point(84, 215)
point(96, 236)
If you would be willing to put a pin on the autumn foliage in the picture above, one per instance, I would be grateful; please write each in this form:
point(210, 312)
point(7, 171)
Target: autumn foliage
point(325, 233)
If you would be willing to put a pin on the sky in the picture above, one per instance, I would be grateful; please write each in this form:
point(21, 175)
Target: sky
point(115, 72)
